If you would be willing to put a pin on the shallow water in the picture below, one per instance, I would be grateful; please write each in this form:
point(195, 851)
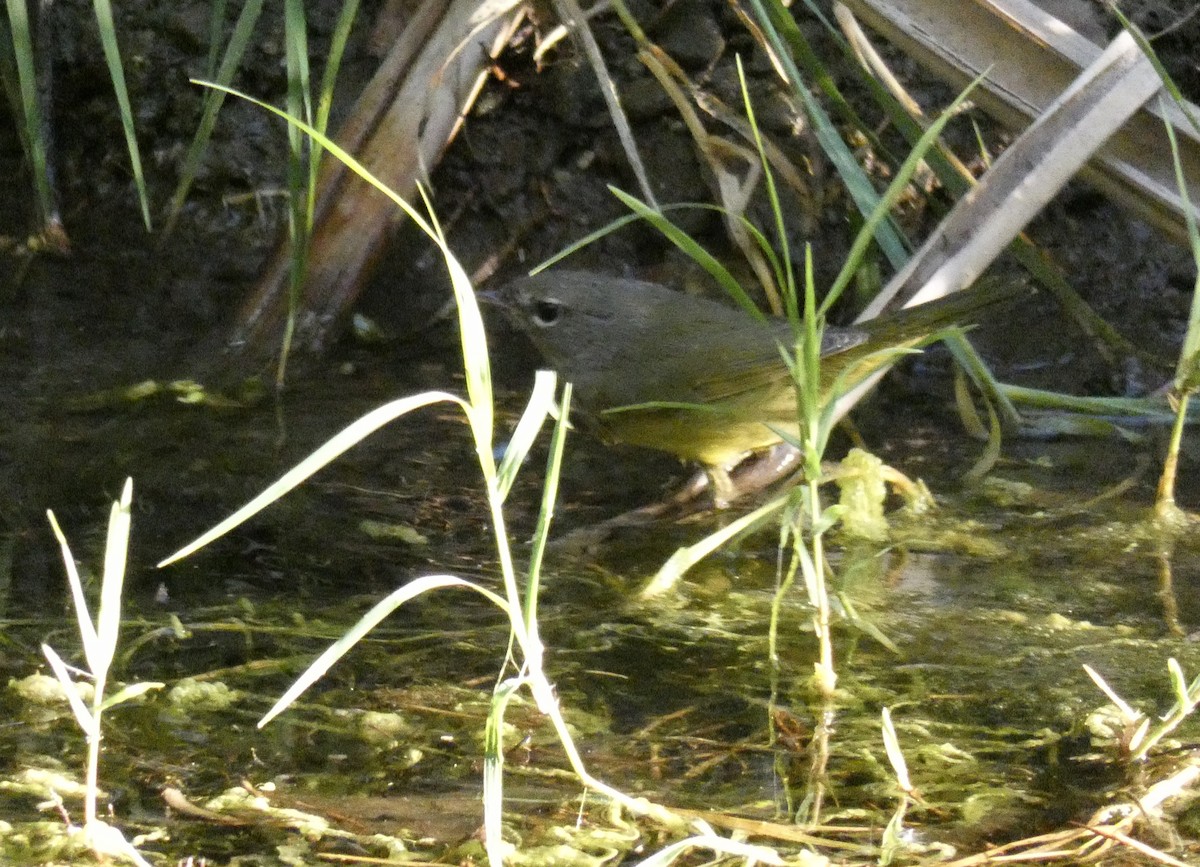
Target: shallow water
point(971, 625)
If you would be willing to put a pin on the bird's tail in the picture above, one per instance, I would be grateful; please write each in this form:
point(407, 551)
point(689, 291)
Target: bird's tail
point(926, 320)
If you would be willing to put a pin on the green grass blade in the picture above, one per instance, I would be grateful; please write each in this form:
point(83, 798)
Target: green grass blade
point(31, 111)
point(243, 29)
point(116, 71)
point(87, 630)
point(493, 771)
point(621, 222)
point(333, 63)
point(880, 213)
point(300, 192)
point(541, 532)
point(692, 248)
point(83, 716)
point(861, 190)
point(216, 35)
point(108, 616)
point(473, 341)
point(786, 281)
point(473, 337)
point(685, 558)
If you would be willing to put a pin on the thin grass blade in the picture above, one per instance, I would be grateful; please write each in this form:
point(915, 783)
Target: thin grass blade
point(83, 716)
point(341, 442)
point(243, 29)
point(778, 20)
point(108, 617)
point(684, 559)
point(877, 216)
point(533, 419)
point(749, 852)
point(128, 693)
point(333, 63)
point(493, 771)
point(31, 111)
point(541, 532)
point(116, 71)
point(368, 622)
point(472, 336)
point(87, 630)
point(692, 248)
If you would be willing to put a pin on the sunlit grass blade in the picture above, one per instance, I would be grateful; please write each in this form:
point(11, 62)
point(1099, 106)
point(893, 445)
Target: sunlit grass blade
point(366, 623)
point(477, 368)
point(493, 771)
point(116, 552)
point(347, 438)
point(537, 410)
point(1127, 712)
point(541, 533)
point(683, 559)
point(130, 692)
point(712, 842)
point(83, 716)
point(87, 629)
point(891, 745)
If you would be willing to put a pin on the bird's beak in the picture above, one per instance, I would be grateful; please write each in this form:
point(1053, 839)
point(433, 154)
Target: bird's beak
point(491, 298)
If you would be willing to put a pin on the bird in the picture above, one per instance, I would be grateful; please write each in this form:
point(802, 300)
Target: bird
point(655, 367)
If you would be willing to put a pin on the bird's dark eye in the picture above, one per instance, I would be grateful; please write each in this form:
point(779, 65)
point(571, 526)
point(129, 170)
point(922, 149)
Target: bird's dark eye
point(546, 312)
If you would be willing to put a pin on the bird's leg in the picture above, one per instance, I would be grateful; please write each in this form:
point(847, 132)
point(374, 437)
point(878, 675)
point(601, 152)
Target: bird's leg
point(724, 492)
point(760, 471)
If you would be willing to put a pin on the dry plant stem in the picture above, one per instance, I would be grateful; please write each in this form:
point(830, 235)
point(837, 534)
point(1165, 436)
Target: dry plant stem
point(1025, 178)
point(573, 18)
point(1107, 341)
point(717, 152)
point(399, 127)
point(869, 58)
point(1031, 58)
point(733, 192)
point(1019, 184)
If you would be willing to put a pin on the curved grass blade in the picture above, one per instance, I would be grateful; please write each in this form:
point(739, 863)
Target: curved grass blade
point(692, 248)
point(366, 623)
point(348, 437)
